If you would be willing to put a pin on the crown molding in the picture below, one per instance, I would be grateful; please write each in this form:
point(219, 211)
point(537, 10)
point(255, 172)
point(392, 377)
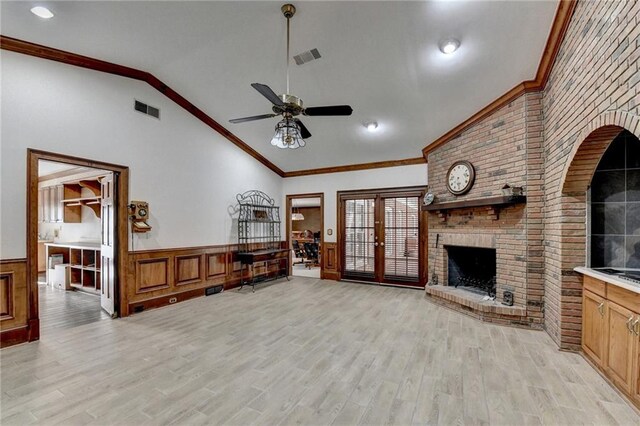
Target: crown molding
point(354, 167)
point(45, 52)
point(564, 12)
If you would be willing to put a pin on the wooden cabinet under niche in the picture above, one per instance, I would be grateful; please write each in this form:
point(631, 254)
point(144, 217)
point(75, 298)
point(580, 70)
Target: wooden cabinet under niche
point(83, 260)
point(611, 333)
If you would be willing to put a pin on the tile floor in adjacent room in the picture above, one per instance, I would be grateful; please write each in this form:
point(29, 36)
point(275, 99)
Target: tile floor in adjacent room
point(302, 352)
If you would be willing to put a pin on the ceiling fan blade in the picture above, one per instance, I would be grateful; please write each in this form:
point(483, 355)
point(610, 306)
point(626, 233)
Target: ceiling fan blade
point(252, 118)
point(329, 110)
point(268, 93)
point(304, 132)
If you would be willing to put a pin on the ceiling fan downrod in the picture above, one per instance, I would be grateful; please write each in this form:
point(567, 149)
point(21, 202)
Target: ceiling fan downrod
point(288, 10)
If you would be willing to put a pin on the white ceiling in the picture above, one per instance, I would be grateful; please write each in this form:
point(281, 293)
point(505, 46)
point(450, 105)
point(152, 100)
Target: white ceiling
point(46, 168)
point(382, 58)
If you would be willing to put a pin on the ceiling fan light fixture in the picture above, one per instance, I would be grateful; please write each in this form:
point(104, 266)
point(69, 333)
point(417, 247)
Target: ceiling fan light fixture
point(449, 46)
point(42, 12)
point(287, 135)
point(372, 126)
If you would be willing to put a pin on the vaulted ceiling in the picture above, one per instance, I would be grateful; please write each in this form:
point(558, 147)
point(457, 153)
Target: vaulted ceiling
point(382, 58)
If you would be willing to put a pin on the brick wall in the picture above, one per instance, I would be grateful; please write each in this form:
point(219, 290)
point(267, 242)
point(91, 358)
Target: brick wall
point(504, 148)
point(550, 142)
point(594, 83)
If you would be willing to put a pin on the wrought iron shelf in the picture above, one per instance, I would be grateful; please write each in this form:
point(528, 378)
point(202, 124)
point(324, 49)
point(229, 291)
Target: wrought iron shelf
point(501, 200)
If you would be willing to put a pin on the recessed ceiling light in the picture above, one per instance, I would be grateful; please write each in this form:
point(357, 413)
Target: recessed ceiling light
point(449, 46)
point(372, 127)
point(42, 12)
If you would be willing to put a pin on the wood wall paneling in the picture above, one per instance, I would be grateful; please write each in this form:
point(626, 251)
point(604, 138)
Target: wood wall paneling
point(189, 269)
point(6, 295)
point(15, 326)
point(216, 265)
point(330, 260)
point(152, 274)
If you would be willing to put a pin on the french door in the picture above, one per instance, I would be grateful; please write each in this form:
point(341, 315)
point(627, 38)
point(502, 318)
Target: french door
point(380, 236)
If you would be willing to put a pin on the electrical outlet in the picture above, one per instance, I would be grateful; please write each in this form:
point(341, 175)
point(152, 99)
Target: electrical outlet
point(173, 300)
point(56, 233)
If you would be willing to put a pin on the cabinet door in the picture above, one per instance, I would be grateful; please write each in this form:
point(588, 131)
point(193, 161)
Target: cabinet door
point(40, 205)
point(620, 350)
point(635, 393)
point(46, 197)
point(594, 311)
point(58, 206)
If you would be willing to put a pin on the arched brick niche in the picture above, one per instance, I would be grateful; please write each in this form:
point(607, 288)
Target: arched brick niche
point(576, 178)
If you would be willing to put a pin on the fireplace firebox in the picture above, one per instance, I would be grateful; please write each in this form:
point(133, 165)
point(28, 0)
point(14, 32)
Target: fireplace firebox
point(472, 269)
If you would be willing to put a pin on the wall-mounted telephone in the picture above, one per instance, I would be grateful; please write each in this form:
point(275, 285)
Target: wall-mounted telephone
point(139, 214)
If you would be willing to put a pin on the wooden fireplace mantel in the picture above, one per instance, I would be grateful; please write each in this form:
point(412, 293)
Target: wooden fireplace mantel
point(501, 200)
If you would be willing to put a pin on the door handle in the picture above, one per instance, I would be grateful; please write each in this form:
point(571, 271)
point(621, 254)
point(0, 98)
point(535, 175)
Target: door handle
point(601, 309)
point(629, 324)
point(636, 327)
point(382, 244)
point(375, 244)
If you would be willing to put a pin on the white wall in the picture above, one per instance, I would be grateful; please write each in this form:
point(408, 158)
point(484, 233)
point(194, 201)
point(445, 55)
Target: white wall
point(188, 173)
point(330, 184)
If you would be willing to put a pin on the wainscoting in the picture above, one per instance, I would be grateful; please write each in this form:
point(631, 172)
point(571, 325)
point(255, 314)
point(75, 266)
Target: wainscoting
point(165, 276)
point(330, 262)
point(13, 302)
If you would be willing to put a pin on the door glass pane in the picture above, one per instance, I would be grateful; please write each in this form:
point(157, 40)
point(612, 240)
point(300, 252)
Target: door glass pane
point(359, 236)
point(401, 237)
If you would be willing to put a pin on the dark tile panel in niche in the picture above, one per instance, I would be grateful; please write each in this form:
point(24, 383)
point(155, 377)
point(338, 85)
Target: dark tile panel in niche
point(608, 251)
point(608, 186)
point(633, 152)
point(633, 252)
point(613, 158)
point(608, 218)
point(633, 185)
point(633, 219)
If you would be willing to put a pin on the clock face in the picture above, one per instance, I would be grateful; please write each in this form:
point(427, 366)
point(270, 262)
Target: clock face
point(460, 177)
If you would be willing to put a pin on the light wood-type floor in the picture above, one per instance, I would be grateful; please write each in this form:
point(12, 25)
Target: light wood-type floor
point(303, 352)
point(61, 309)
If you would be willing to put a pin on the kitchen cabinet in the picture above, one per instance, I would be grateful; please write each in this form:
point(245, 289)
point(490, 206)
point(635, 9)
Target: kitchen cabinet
point(621, 348)
point(611, 333)
point(63, 203)
point(594, 311)
point(50, 207)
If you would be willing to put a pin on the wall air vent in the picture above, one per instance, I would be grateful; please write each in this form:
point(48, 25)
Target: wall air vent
point(307, 56)
point(146, 109)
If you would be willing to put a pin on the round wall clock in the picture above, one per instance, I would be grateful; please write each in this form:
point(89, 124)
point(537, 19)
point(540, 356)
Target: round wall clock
point(460, 177)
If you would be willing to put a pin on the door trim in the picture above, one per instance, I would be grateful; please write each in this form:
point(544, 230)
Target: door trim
point(288, 205)
point(409, 191)
point(33, 156)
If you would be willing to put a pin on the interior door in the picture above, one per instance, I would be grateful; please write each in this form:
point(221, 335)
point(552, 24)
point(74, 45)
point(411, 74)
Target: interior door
point(108, 274)
point(380, 237)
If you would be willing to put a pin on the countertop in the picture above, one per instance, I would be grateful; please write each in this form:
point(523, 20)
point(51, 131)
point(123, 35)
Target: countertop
point(611, 279)
point(78, 245)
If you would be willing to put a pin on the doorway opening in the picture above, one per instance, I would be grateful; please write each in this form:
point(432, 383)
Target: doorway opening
point(305, 224)
point(75, 260)
point(380, 237)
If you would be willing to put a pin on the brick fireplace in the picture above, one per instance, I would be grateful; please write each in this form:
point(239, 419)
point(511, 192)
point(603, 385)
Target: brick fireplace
point(504, 231)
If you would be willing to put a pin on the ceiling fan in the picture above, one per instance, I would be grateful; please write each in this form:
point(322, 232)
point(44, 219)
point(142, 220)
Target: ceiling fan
point(290, 132)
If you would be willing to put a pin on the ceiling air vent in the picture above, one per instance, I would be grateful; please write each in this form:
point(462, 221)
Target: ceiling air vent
point(146, 109)
point(307, 56)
